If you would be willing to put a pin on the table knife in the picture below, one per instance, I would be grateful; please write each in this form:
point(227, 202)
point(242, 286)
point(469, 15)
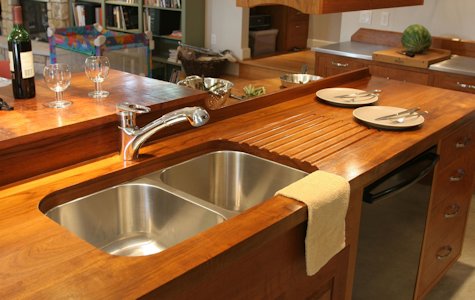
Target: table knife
point(404, 112)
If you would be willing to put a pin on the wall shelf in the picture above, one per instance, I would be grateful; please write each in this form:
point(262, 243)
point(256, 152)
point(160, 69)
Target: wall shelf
point(144, 15)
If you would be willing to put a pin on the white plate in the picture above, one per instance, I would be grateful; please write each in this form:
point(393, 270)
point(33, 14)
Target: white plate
point(5, 82)
point(368, 114)
point(330, 95)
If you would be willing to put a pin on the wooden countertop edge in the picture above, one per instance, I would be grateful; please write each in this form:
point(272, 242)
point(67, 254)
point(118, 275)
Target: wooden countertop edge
point(57, 133)
point(276, 214)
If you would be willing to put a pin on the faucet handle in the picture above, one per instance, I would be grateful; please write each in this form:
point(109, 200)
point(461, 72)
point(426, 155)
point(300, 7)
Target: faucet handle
point(127, 113)
point(133, 108)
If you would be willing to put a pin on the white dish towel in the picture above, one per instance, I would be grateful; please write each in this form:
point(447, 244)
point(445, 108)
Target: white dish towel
point(326, 196)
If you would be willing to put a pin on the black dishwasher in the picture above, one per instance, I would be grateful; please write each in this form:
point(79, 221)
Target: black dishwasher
point(393, 218)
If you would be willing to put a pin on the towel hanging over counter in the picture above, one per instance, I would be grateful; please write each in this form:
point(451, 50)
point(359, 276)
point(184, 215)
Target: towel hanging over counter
point(327, 196)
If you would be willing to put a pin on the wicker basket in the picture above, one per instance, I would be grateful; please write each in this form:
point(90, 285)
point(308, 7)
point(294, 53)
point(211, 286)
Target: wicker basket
point(211, 67)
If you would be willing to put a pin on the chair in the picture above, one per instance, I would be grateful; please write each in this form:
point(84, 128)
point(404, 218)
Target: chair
point(5, 69)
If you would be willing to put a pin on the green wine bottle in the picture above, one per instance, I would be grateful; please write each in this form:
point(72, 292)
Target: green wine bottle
point(21, 58)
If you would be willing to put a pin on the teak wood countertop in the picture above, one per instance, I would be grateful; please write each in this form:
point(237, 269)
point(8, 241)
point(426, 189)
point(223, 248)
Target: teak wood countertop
point(40, 259)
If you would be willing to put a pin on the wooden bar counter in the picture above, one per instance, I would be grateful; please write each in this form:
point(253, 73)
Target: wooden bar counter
point(65, 154)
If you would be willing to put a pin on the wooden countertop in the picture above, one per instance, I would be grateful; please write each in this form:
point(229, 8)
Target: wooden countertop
point(31, 118)
point(41, 259)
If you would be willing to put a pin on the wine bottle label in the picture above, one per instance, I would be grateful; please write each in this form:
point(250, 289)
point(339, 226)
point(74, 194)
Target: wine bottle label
point(27, 65)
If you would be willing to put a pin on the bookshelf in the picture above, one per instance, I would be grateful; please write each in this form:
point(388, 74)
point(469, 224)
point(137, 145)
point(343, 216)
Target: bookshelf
point(170, 21)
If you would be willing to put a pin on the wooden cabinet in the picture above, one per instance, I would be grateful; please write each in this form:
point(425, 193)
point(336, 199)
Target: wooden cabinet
point(331, 6)
point(448, 211)
point(329, 64)
point(292, 25)
point(451, 81)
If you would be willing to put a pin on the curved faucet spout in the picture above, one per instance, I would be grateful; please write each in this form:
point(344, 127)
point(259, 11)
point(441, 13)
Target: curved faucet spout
point(133, 137)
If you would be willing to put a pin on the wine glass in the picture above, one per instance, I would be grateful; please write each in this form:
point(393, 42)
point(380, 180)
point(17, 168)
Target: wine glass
point(97, 69)
point(58, 79)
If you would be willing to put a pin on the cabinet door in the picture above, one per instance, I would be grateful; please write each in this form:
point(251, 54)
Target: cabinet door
point(454, 82)
point(297, 34)
point(328, 64)
point(297, 29)
point(292, 26)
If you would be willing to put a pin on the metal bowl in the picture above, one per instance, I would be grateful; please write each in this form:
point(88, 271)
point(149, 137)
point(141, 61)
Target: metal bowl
point(217, 88)
point(289, 80)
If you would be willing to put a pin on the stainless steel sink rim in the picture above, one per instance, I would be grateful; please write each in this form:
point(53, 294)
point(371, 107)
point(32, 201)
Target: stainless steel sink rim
point(146, 239)
point(243, 194)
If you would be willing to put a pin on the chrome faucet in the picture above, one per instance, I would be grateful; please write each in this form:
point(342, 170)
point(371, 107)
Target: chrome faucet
point(133, 137)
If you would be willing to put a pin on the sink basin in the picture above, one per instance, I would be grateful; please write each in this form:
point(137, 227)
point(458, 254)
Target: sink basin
point(134, 219)
point(231, 180)
point(161, 209)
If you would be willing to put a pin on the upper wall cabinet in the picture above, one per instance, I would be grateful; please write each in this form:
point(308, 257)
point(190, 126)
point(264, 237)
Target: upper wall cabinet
point(331, 6)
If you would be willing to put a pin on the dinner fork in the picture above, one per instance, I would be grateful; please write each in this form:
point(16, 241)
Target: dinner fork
point(360, 94)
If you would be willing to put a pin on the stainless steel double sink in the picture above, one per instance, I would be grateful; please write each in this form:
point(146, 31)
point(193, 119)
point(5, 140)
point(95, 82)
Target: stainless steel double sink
point(161, 209)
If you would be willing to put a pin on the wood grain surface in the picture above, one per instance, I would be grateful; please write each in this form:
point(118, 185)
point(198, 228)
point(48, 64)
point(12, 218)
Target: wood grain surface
point(330, 6)
point(36, 139)
point(40, 259)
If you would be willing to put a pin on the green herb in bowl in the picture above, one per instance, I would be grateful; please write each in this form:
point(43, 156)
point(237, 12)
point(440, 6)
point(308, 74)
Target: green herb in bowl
point(252, 91)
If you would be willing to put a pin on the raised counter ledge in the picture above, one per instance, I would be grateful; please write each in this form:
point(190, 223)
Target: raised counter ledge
point(40, 259)
point(457, 64)
point(351, 49)
point(87, 124)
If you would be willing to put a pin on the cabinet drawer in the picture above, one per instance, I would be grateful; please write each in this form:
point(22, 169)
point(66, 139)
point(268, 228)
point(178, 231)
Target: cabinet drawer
point(457, 144)
point(296, 15)
point(443, 240)
point(454, 180)
point(393, 72)
point(454, 82)
point(438, 257)
point(328, 65)
point(298, 35)
point(297, 28)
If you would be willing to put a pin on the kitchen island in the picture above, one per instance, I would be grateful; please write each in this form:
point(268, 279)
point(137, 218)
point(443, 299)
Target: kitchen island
point(454, 72)
point(257, 254)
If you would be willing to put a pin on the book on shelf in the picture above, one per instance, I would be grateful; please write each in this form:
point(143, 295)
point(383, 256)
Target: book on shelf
point(163, 3)
point(86, 13)
point(147, 20)
point(122, 17)
point(98, 14)
point(172, 55)
point(81, 15)
point(127, 1)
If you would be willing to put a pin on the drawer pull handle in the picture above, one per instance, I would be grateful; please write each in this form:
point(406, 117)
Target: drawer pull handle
point(452, 211)
point(340, 65)
point(458, 177)
point(444, 252)
point(466, 85)
point(463, 143)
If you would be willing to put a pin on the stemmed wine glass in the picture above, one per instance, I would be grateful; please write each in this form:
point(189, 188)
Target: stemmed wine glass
point(97, 69)
point(58, 79)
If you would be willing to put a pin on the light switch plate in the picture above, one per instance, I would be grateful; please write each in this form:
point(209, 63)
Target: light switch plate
point(385, 18)
point(365, 17)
